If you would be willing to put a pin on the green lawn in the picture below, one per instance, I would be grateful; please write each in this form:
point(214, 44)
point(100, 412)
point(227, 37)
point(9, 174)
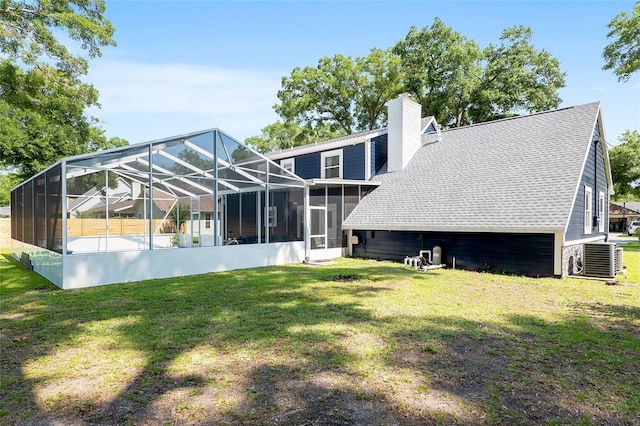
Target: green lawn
point(356, 342)
point(631, 258)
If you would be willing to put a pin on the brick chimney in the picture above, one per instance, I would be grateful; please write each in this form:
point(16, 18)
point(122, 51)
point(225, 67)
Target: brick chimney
point(403, 137)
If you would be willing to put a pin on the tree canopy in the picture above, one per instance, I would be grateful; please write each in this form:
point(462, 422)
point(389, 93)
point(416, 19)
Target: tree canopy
point(7, 181)
point(343, 93)
point(515, 77)
point(452, 77)
point(283, 135)
point(622, 54)
point(42, 99)
point(442, 70)
point(625, 166)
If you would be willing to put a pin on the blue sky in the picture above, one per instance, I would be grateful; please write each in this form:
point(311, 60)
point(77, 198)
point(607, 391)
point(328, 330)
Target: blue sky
point(182, 66)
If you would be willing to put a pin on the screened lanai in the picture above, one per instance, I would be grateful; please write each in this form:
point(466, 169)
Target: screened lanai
point(133, 209)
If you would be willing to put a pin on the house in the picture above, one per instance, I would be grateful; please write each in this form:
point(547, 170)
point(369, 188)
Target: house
point(621, 214)
point(137, 207)
point(95, 196)
point(520, 195)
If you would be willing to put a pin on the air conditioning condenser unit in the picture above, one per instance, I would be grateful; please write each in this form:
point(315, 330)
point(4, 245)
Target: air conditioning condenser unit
point(619, 260)
point(600, 260)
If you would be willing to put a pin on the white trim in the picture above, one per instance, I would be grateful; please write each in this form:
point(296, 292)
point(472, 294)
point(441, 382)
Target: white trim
point(579, 183)
point(326, 145)
point(601, 212)
point(558, 243)
point(289, 161)
point(367, 160)
point(585, 240)
point(431, 120)
point(453, 229)
point(588, 210)
point(605, 152)
point(313, 182)
point(323, 167)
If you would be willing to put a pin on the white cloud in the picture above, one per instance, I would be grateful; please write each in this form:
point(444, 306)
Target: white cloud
point(142, 101)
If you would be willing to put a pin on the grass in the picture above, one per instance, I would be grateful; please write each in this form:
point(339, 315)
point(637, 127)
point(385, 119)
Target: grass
point(631, 258)
point(357, 342)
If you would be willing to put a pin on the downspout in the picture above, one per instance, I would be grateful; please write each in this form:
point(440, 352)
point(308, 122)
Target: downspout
point(596, 195)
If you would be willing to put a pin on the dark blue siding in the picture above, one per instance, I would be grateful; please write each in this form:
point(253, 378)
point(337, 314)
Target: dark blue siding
point(308, 165)
point(353, 162)
point(594, 176)
point(430, 129)
point(528, 254)
point(378, 153)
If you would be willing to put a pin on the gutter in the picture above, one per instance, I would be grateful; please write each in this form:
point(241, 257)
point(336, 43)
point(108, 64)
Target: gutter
point(458, 229)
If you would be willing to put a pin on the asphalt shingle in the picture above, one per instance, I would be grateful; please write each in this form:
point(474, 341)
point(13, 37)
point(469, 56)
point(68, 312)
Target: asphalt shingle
point(516, 173)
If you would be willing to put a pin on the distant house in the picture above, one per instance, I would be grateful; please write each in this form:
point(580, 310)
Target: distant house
point(137, 208)
point(622, 214)
point(519, 195)
point(95, 197)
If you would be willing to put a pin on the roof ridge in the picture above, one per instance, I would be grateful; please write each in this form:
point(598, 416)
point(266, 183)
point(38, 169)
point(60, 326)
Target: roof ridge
point(327, 141)
point(515, 117)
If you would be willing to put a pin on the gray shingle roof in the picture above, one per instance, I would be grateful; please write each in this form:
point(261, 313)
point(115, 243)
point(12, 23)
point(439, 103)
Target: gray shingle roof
point(631, 205)
point(342, 140)
point(516, 174)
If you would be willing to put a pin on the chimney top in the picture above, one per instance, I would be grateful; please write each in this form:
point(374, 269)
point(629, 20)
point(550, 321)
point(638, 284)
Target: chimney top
point(404, 131)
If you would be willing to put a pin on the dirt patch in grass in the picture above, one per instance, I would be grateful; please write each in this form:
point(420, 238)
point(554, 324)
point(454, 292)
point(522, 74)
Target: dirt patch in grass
point(345, 278)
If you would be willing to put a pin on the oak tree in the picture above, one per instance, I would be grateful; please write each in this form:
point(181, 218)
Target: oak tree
point(622, 55)
point(452, 77)
point(346, 94)
point(42, 98)
point(284, 135)
point(625, 166)
point(442, 70)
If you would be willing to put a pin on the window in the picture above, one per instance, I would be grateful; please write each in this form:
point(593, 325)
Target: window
point(288, 164)
point(601, 212)
point(207, 221)
point(272, 216)
point(331, 164)
point(588, 214)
